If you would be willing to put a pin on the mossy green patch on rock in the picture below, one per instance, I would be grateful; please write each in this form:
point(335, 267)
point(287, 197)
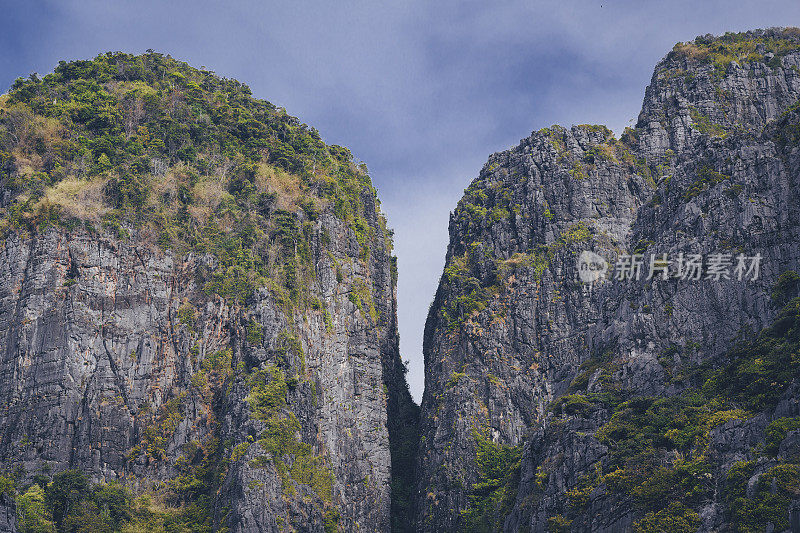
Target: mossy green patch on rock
point(492, 496)
point(294, 460)
point(740, 47)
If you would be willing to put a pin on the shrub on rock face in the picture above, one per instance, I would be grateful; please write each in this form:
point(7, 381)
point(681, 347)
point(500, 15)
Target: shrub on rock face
point(786, 284)
point(33, 514)
point(492, 497)
point(774, 492)
point(675, 518)
point(775, 433)
point(63, 496)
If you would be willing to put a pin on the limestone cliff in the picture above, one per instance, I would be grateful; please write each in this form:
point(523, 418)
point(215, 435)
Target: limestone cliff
point(197, 304)
point(557, 405)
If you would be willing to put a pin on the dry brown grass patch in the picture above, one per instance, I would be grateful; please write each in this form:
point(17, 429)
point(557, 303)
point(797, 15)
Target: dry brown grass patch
point(77, 198)
point(209, 193)
point(691, 50)
point(287, 186)
point(49, 129)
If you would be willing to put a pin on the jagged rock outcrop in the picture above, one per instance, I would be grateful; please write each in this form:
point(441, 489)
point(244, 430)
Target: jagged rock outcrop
point(197, 300)
point(527, 364)
point(500, 368)
point(343, 411)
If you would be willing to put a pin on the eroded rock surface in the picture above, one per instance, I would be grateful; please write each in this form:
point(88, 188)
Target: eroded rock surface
point(711, 167)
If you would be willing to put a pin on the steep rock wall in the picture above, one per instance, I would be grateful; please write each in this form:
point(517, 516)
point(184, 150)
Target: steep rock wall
point(524, 362)
point(197, 300)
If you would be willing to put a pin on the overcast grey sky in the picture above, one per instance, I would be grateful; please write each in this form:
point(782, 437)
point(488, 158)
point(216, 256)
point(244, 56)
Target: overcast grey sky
point(422, 92)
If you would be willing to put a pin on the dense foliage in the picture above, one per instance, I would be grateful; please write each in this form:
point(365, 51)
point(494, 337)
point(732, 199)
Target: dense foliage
point(185, 158)
point(658, 447)
point(70, 503)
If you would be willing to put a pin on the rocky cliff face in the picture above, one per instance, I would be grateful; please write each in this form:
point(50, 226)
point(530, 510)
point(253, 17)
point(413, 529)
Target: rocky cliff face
point(8, 515)
point(199, 329)
point(553, 404)
point(102, 374)
point(508, 325)
point(206, 314)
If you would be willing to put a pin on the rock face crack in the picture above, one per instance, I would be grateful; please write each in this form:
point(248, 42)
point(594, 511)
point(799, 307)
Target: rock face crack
point(513, 333)
point(77, 400)
point(119, 380)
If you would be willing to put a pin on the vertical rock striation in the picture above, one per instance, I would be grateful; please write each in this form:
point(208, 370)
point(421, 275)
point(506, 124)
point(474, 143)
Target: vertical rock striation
point(530, 373)
point(197, 300)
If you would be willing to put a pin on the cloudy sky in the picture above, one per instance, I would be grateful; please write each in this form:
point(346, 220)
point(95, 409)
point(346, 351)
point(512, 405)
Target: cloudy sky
point(421, 91)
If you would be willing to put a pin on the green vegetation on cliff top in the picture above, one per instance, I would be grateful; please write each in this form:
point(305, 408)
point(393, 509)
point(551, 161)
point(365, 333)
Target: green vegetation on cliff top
point(740, 47)
point(187, 159)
